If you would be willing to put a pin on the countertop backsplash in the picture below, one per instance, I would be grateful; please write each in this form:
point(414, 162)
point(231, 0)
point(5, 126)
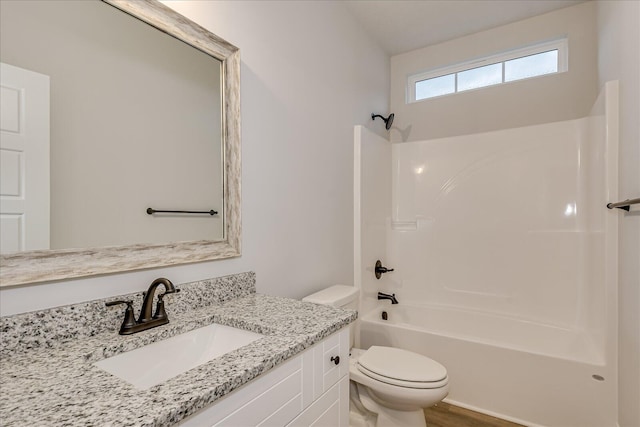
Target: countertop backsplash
point(55, 326)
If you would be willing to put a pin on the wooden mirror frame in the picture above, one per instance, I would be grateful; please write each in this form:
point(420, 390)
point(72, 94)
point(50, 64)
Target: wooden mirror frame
point(50, 265)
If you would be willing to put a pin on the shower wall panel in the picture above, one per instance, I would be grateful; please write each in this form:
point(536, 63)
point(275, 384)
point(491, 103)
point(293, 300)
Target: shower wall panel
point(372, 210)
point(503, 222)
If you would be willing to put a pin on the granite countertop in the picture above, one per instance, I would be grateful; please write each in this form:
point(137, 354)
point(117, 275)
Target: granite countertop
point(58, 385)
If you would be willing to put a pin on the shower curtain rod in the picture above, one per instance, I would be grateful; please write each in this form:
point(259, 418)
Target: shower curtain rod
point(624, 204)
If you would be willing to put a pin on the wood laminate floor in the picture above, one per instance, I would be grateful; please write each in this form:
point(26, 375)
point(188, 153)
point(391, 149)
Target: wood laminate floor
point(446, 415)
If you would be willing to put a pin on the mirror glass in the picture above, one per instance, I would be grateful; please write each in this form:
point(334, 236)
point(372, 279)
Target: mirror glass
point(144, 114)
point(135, 122)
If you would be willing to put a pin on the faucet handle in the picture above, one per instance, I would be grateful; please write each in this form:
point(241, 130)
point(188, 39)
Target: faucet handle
point(160, 311)
point(129, 319)
point(169, 291)
point(379, 270)
point(128, 302)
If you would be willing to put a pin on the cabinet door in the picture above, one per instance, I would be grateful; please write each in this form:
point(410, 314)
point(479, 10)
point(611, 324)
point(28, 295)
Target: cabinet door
point(330, 410)
point(274, 398)
point(274, 407)
point(310, 380)
point(331, 361)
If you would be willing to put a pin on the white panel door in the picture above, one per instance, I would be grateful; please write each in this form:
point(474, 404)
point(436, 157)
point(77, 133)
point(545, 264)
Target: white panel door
point(24, 160)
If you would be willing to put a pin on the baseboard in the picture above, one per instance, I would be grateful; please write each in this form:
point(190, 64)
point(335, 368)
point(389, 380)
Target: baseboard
point(491, 413)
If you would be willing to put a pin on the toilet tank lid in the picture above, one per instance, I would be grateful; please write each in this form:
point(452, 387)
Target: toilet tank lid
point(336, 296)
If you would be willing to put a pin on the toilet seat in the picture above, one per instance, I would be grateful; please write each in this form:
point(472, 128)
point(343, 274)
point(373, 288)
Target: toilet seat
point(402, 368)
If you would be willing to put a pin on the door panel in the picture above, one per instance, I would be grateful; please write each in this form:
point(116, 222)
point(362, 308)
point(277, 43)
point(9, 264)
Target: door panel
point(24, 160)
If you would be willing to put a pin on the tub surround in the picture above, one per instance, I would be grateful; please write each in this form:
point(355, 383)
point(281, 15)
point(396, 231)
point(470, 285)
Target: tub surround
point(47, 356)
point(519, 299)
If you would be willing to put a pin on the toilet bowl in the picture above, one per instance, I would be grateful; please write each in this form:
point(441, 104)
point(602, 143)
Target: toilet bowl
point(392, 385)
point(397, 384)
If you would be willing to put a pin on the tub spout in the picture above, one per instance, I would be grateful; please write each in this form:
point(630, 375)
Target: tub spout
point(391, 297)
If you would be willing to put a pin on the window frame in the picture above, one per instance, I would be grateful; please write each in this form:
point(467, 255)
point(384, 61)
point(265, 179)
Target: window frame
point(559, 44)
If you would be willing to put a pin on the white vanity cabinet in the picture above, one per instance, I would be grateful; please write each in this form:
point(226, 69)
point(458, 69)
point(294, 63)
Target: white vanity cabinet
point(310, 389)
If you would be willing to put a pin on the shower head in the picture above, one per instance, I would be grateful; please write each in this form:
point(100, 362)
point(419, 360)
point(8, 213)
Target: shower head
point(387, 121)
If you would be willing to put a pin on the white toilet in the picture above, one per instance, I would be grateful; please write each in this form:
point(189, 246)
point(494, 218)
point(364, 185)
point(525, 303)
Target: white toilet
point(392, 383)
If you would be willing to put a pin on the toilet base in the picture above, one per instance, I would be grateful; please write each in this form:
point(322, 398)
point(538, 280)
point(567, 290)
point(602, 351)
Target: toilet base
point(387, 417)
point(392, 418)
point(359, 416)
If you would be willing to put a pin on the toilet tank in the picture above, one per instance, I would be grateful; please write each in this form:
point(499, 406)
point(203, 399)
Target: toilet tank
point(340, 296)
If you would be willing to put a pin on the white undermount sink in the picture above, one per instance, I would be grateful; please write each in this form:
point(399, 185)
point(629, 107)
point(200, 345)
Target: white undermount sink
point(155, 363)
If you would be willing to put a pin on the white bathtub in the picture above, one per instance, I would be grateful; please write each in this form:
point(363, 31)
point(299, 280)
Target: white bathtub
point(531, 373)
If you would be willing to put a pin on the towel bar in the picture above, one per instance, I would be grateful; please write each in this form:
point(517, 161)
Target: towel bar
point(151, 211)
point(623, 204)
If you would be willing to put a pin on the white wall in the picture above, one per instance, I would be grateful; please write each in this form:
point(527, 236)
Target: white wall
point(619, 58)
point(545, 99)
point(309, 74)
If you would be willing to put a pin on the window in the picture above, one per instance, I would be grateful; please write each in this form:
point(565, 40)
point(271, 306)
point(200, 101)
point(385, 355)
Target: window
point(533, 61)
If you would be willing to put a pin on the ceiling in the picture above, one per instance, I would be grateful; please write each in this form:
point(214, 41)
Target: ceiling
point(403, 25)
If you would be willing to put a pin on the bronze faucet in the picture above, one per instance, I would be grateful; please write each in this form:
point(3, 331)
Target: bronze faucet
point(390, 297)
point(146, 320)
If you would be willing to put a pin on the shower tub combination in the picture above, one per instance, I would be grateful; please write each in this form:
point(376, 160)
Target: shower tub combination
point(522, 371)
point(505, 263)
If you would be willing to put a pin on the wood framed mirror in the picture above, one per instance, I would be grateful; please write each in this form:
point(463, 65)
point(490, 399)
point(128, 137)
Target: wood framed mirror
point(34, 266)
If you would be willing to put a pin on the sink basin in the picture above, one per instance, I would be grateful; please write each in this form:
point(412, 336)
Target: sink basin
point(155, 363)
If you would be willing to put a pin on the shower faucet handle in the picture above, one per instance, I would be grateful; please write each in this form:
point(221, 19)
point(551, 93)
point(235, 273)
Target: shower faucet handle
point(379, 269)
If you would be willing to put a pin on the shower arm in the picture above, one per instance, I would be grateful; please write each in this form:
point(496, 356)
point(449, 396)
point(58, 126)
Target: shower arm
point(388, 121)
